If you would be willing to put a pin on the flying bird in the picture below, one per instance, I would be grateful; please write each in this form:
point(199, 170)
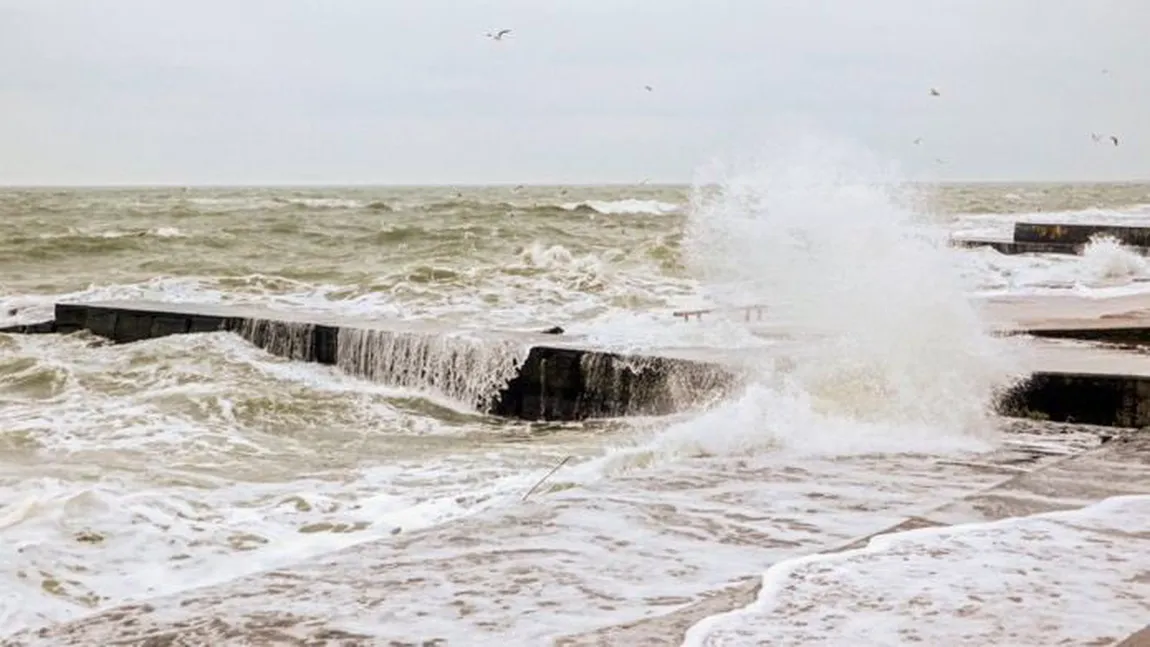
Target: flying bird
point(499, 34)
point(1096, 137)
point(1114, 138)
point(935, 93)
point(648, 88)
point(917, 141)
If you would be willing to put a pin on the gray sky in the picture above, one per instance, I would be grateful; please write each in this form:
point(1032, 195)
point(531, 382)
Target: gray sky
point(391, 92)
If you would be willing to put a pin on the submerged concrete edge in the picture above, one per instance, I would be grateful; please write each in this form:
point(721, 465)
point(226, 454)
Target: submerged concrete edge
point(550, 383)
point(558, 383)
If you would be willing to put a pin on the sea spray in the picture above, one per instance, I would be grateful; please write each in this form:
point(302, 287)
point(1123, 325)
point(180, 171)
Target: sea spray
point(816, 231)
point(1105, 259)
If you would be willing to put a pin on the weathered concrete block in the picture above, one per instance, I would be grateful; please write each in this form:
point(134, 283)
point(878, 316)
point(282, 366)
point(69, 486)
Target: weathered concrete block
point(38, 328)
point(102, 322)
point(546, 387)
point(70, 318)
point(326, 344)
point(164, 325)
point(132, 326)
point(1110, 400)
point(1078, 234)
point(1018, 247)
point(1126, 335)
point(200, 323)
point(576, 384)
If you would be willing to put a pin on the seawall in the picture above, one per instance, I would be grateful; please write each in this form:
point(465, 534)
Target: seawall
point(518, 375)
point(545, 377)
point(1059, 238)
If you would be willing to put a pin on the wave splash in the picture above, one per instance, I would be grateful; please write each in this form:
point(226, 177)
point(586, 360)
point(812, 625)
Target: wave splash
point(894, 357)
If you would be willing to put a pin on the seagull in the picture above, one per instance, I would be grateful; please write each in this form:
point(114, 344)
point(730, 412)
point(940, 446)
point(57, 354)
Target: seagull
point(498, 35)
point(935, 93)
point(1114, 138)
point(939, 160)
point(648, 88)
point(917, 141)
point(1096, 137)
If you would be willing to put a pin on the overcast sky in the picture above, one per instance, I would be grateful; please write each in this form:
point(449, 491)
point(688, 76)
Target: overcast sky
point(400, 92)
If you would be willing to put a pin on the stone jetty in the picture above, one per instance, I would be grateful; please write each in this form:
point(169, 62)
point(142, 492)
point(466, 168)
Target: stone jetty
point(532, 376)
point(1060, 238)
point(1082, 365)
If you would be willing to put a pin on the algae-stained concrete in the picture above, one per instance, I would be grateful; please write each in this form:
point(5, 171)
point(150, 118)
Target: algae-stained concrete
point(1079, 233)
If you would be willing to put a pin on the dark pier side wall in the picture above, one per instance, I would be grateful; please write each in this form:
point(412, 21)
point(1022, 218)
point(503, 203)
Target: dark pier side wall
point(1078, 234)
point(550, 384)
point(1109, 400)
point(553, 383)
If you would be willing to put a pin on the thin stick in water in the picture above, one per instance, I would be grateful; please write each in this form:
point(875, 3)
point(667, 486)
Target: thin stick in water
point(546, 476)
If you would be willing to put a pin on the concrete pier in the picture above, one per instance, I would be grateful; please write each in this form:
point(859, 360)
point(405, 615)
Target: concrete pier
point(1079, 233)
point(510, 374)
point(536, 376)
point(1007, 246)
point(1059, 238)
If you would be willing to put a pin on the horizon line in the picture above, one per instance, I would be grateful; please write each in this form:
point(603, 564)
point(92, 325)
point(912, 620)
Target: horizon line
point(448, 185)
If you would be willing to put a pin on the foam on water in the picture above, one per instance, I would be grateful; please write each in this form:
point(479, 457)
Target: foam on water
point(1075, 577)
point(1105, 258)
point(148, 469)
point(1104, 268)
point(627, 206)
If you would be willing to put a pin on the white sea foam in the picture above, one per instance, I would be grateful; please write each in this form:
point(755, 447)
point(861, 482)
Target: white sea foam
point(187, 461)
point(1105, 258)
point(1076, 577)
point(1106, 267)
point(627, 206)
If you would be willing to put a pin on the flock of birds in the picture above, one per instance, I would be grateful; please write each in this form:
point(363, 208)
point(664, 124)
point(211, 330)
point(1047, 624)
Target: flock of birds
point(1096, 137)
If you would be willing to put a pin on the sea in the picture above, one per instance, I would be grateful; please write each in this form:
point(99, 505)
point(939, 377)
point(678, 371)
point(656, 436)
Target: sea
point(197, 484)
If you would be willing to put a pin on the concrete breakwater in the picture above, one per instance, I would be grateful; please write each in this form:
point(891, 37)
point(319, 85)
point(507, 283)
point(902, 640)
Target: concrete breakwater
point(1060, 238)
point(537, 376)
point(510, 374)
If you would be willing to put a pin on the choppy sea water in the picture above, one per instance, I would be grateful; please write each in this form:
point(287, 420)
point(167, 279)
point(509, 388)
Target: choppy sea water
point(149, 471)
